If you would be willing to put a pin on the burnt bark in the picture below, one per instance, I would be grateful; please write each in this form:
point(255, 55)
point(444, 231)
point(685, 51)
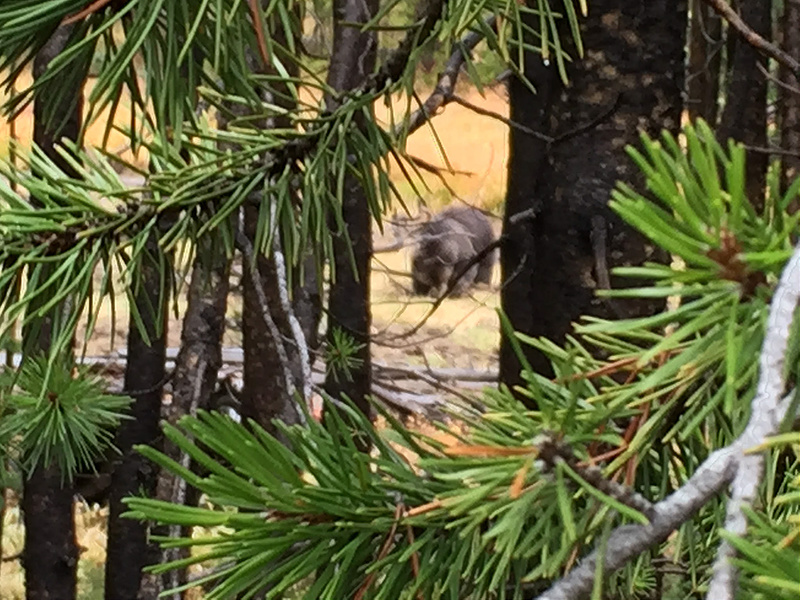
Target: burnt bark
point(353, 59)
point(705, 59)
point(789, 97)
point(553, 261)
point(744, 117)
point(50, 555)
point(128, 548)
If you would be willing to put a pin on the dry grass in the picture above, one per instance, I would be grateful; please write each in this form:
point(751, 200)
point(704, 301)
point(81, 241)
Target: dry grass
point(463, 332)
point(91, 533)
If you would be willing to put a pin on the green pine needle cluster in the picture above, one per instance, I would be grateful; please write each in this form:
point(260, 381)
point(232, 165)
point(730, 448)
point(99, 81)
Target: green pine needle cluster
point(52, 416)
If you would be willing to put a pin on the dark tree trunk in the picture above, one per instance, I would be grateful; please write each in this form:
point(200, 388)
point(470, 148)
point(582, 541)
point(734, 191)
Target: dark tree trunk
point(268, 393)
point(789, 104)
point(193, 383)
point(562, 240)
point(352, 60)
point(128, 548)
point(50, 555)
point(744, 117)
point(307, 303)
point(705, 59)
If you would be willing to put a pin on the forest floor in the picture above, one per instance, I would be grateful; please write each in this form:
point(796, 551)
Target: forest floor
point(461, 333)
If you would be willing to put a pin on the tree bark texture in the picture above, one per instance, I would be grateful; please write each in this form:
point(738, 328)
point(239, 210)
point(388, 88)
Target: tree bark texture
point(265, 395)
point(193, 383)
point(50, 555)
point(705, 58)
point(789, 99)
point(353, 59)
point(744, 117)
point(128, 549)
point(553, 261)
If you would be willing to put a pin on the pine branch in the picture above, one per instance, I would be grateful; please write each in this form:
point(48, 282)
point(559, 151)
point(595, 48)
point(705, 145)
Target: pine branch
point(719, 469)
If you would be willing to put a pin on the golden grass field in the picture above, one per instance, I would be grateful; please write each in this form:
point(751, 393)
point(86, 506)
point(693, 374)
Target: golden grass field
point(463, 332)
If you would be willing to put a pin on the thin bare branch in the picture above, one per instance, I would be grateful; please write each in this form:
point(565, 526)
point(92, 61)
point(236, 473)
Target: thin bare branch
point(498, 117)
point(444, 91)
point(726, 11)
point(773, 151)
point(789, 88)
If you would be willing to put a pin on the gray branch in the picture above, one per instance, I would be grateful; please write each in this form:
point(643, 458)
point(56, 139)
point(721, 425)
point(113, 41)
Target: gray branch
point(297, 331)
point(765, 418)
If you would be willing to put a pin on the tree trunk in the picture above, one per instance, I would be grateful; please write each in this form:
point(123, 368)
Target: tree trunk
point(789, 99)
point(744, 117)
point(705, 59)
point(267, 394)
point(50, 555)
point(193, 382)
point(561, 239)
point(128, 548)
point(272, 367)
point(352, 60)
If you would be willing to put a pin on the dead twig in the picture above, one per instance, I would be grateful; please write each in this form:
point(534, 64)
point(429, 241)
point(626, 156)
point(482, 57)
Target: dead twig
point(726, 11)
point(444, 91)
point(498, 117)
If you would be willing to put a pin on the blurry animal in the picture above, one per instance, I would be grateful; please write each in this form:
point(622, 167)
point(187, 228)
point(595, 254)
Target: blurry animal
point(447, 244)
